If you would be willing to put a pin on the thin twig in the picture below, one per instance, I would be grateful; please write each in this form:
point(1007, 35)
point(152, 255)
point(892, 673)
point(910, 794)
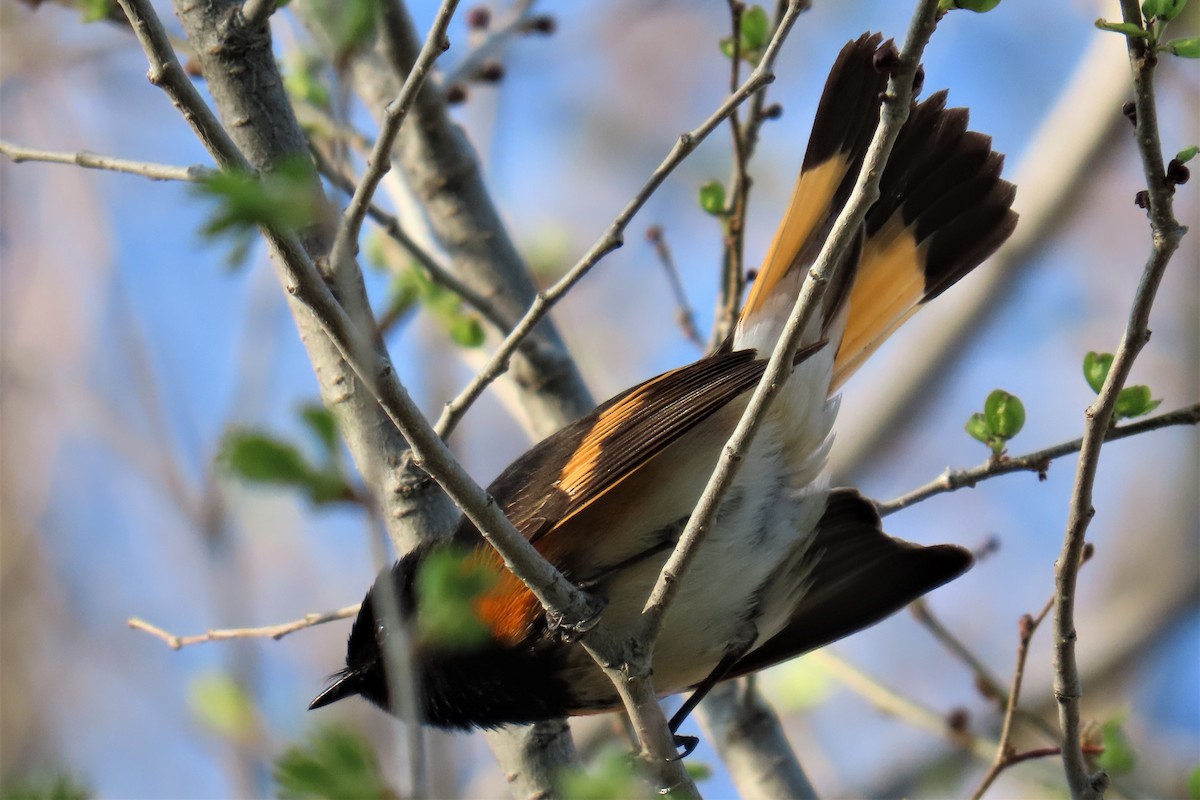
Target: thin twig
point(612, 238)
point(733, 215)
point(437, 273)
point(89, 160)
point(983, 676)
point(380, 160)
point(257, 12)
point(683, 312)
point(888, 700)
point(1027, 626)
point(223, 634)
point(1039, 461)
point(1166, 234)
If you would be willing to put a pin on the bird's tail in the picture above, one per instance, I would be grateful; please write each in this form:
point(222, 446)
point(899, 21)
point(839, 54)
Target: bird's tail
point(942, 210)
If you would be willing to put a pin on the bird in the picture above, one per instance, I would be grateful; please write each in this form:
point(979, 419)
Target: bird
point(790, 563)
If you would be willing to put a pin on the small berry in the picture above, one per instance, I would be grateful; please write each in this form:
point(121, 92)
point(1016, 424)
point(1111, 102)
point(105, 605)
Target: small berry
point(456, 93)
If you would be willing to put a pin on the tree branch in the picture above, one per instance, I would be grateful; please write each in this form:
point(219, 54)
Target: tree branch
point(1166, 235)
point(440, 166)
point(257, 12)
point(683, 312)
point(276, 632)
point(345, 244)
point(1039, 461)
point(1005, 758)
point(752, 744)
point(89, 160)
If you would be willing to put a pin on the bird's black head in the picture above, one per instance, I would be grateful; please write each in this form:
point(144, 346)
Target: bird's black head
point(364, 671)
point(484, 683)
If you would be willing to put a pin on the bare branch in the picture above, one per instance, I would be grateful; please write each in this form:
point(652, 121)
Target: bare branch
point(751, 742)
point(380, 160)
point(1166, 234)
point(434, 270)
point(612, 238)
point(888, 700)
point(89, 160)
point(1004, 756)
point(1039, 461)
point(257, 12)
point(683, 312)
point(223, 634)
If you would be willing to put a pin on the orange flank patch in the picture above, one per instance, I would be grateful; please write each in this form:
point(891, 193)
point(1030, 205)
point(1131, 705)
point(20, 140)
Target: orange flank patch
point(807, 210)
point(887, 291)
point(508, 608)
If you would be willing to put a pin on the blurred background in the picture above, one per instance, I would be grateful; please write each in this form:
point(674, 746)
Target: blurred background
point(131, 348)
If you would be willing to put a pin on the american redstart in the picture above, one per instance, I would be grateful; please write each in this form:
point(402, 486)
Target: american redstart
point(790, 564)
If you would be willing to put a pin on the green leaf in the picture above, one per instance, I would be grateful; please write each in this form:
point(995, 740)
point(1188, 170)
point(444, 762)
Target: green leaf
point(96, 10)
point(258, 457)
point(1095, 369)
point(698, 770)
point(1124, 28)
point(1184, 48)
point(1164, 10)
point(448, 585)
point(1118, 757)
point(335, 764)
point(977, 427)
point(1005, 414)
point(261, 458)
point(712, 197)
point(1135, 401)
point(285, 199)
point(59, 786)
point(220, 703)
point(321, 422)
point(611, 776)
point(301, 81)
point(978, 6)
point(756, 29)
point(799, 685)
point(1193, 784)
point(466, 330)
point(1187, 154)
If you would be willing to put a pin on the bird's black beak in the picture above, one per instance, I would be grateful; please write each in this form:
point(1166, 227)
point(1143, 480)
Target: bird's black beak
point(345, 684)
